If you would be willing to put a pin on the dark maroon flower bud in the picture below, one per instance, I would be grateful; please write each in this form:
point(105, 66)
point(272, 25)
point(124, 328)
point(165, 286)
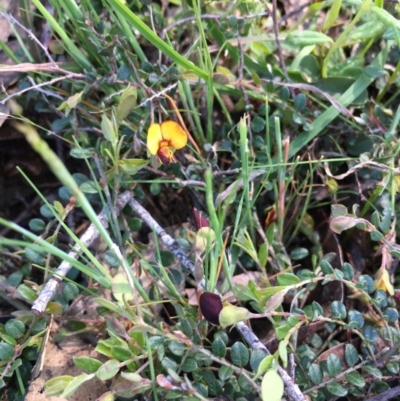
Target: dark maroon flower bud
point(210, 307)
point(199, 220)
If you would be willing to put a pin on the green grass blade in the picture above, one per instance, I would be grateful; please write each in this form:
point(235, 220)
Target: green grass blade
point(132, 39)
point(61, 172)
point(347, 98)
point(153, 38)
point(336, 45)
point(42, 245)
point(84, 250)
point(233, 52)
point(70, 47)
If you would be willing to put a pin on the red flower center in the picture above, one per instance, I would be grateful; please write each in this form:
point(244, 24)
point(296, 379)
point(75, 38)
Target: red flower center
point(164, 143)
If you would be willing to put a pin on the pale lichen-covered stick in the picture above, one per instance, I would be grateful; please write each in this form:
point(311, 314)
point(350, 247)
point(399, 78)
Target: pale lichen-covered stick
point(89, 236)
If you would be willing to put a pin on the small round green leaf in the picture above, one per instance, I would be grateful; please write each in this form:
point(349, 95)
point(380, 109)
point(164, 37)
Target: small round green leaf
point(218, 348)
point(46, 211)
point(338, 310)
point(282, 331)
point(286, 279)
point(239, 354)
point(351, 355)
point(112, 259)
point(225, 372)
point(15, 278)
point(381, 299)
point(168, 363)
point(370, 333)
point(189, 365)
point(356, 379)
point(108, 370)
point(258, 142)
point(9, 340)
point(37, 225)
point(338, 274)
point(176, 348)
point(134, 224)
point(348, 271)
point(356, 318)
point(121, 353)
point(244, 384)
point(395, 253)
point(317, 309)
point(86, 363)
point(374, 371)
point(27, 292)
point(108, 129)
point(366, 283)
point(167, 258)
point(223, 336)
point(381, 386)
point(155, 188)
point(392, 314)
point(201, 389)
point(376, 236)
point(30, 354)
point(15, 328)
point(55, 308)
point(326, 267)
point(292, 321)
point(34, 256)
point(299, 102)
point(257, 124)
point(315, 373)
point(336, 389)
point(375, 219)
point(215, 388)
point(271, 387)
point(70, 291)
point(256, 357)
point(6, 352)
point(393, 367)
point(284, 94)
point(89, 187)
point(333, 365)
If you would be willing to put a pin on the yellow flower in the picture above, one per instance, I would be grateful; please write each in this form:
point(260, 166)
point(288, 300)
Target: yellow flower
point(164, 139)
point(382, 281)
